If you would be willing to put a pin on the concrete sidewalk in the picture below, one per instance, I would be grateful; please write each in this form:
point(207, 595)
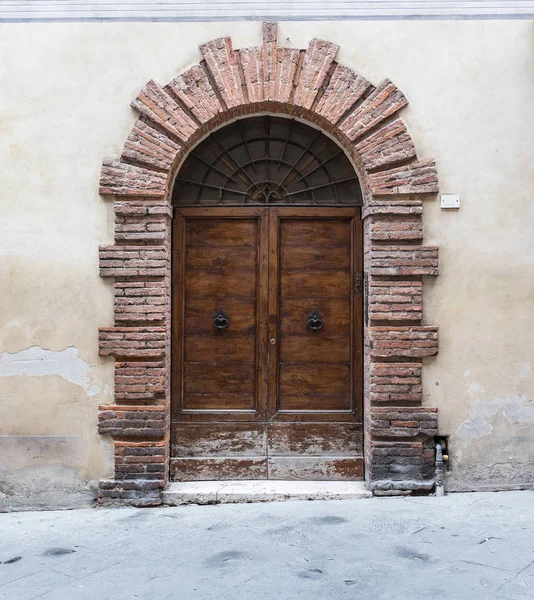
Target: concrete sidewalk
point(462, 546)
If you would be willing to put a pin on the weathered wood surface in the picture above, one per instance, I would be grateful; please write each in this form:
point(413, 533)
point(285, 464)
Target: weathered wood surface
point(267, 397)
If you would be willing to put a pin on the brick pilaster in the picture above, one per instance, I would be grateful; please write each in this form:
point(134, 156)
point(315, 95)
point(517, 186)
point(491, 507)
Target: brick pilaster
point(399, 430)
point(138, 420)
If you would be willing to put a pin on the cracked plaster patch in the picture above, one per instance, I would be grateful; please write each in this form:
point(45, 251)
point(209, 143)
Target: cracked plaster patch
point(517, 409)
point(525, 369)
point(39, 362)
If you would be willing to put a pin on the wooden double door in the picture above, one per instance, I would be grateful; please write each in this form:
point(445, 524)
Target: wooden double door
point(267, 344)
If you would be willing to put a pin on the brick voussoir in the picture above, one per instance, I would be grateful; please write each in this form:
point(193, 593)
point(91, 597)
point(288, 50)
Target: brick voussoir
point(252, 64)
point(345, 88)
point(195, 90)
point(385, 101)
point(388, 145)
point(159, 107)
point(287, 61)
point(317, 61)
point(149, 146)
point(269, 60)
point(222, 63)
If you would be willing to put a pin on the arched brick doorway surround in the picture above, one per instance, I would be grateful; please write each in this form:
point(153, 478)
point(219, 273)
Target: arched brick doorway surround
point(309, 85)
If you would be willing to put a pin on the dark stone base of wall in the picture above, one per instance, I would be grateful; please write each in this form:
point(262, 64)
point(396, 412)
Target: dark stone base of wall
point(139, 493)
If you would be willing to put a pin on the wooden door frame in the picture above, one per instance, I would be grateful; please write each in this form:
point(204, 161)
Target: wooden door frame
point(269, 255)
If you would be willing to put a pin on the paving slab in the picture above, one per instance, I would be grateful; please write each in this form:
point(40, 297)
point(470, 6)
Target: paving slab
point(475, 546)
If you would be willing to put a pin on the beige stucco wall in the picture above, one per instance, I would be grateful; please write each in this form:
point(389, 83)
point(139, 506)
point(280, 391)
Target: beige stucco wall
point(64, 101)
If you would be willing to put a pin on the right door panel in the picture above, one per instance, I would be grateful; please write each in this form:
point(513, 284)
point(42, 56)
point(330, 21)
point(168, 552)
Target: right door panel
point(315, 352)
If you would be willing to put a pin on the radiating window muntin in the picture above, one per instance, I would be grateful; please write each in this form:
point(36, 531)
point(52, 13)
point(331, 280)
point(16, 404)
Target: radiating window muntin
point(267, 160)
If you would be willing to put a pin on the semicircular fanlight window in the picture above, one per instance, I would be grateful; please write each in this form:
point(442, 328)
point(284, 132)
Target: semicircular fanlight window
point(267, 160)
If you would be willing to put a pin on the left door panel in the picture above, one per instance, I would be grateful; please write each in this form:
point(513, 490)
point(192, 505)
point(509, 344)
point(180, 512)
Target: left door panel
point(219, 343)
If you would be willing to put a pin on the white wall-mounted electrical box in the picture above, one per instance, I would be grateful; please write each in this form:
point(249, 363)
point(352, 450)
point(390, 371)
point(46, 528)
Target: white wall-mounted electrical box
point(450, 201)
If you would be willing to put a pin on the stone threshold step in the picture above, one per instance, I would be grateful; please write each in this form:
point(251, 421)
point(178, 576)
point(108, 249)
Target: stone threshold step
point(229, 492)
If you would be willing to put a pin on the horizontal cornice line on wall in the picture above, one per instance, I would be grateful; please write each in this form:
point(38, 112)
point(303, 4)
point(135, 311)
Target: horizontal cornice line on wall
point(221, 10)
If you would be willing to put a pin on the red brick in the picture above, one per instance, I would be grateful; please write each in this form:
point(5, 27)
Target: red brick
point(395, 383)
point(397, 229)
point(134, 421)
point(194, 89)
point(134, 261)
point(134, 342)
point(269, 59)
point(392, 207)
point(120, 179)
point(395, 300)
point(159, 107)
point(142, 222)
point(402, 342)
point(388, 145)
point(222, 63)
point(416, 178)
point(140, 381)
point(147, 208)
point(345, 88)
point(403, 260)
point(385, 101)
point(252, 64)
point(400, 466)
point(142, 301)
point(149, 146)
point(317, 60)
point(287, 61)
point(403, 422)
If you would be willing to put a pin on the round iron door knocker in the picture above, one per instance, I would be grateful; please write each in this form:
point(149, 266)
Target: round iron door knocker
point(315, 322)
point(220, 320)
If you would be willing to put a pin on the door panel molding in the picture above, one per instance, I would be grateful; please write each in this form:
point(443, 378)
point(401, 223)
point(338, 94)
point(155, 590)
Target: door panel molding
point(300, 216)
point(234, 387)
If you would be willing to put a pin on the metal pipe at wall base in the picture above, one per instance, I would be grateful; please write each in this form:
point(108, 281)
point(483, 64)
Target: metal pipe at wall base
point(440, 489)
